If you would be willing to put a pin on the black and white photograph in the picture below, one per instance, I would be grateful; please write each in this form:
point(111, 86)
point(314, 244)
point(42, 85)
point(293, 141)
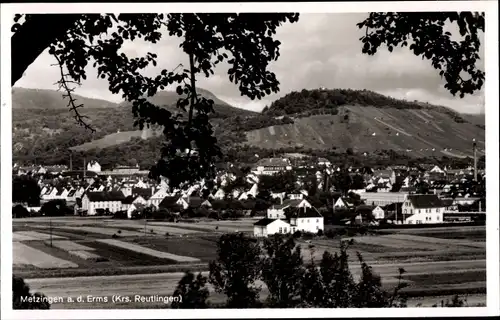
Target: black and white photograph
point(269, 157)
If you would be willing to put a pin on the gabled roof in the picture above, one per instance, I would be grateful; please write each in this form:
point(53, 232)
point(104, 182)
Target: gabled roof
point(128, 200)
point(425, 201)
point(289, 203)
point(305, 212)
point(168, 202)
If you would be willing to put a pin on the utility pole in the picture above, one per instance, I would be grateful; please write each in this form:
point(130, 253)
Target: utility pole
point(474, 146)
point(50, 228)
point(70, 161)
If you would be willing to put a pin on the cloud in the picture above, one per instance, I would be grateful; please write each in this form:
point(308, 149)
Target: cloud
point(319, 50)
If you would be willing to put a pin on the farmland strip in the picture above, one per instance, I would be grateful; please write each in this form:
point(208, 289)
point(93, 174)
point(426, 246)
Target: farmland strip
point(144, 250)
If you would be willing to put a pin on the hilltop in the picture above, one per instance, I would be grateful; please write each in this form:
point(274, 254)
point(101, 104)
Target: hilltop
point(339, 120)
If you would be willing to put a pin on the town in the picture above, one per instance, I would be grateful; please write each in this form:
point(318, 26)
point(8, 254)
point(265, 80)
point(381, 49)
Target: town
point(303, 196)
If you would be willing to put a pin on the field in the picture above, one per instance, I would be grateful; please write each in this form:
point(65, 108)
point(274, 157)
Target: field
point(438, 261)
point(369, 129)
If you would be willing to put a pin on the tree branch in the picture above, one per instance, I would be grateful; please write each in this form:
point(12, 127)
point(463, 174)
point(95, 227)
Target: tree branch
point(34, 36)
point(63, 84)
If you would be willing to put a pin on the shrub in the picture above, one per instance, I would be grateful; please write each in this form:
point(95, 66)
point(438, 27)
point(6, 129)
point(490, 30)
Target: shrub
point(297, 234)
point(320, 232)
point(114, 236)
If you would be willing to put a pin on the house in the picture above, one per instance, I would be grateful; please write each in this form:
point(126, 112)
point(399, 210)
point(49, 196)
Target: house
point(384, 187)
point(423, 208)
point(384, 175)
point(450, 205)
point(219, 194)
point(132, 203)
point(197, 202)
point(342, 203)
point(324, 162)
point(305, 219)
point(278, 211)
point(270, 166)
point(267, 226)
point(94, 166)
point(250, 193)
point(376, 211)
point(383, 198)
point(173, 203)
point(437, 169)
point(158, 196)
point(111, 201)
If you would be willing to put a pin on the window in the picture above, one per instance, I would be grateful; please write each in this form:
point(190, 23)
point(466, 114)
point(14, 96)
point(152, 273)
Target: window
point(286, 229)
point(317, 220)
point(307, 220)
point(437, 218)
point(317, 227)
point(280, 230)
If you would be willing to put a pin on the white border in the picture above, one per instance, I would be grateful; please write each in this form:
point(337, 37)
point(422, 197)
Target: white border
point(492, 138)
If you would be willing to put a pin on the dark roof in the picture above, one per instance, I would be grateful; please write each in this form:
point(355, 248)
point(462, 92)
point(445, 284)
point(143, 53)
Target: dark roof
point(264, 222)
point(128, 200)
point(305, 212)
point(195, 202)
point(105, 196)
point(168, 202)
point(425, 201)
point(288, 203)
point(447, 202)
point(365, 207)
point(146, 193)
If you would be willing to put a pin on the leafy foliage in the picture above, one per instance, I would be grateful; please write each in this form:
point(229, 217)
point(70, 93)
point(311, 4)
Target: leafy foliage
point(208, 39)
point(282, 271)
point(193, 292)
point(25, 190)
point(425, 35)
point(284, 181)
point(236, 269)
point(305, 103)
point(23, 299)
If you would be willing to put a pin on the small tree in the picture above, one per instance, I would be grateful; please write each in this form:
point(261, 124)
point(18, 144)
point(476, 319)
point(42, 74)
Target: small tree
point(236, 269)
point(193, 292)
point(282, 271)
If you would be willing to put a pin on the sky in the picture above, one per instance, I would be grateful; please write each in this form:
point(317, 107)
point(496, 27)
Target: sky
point(320, 50)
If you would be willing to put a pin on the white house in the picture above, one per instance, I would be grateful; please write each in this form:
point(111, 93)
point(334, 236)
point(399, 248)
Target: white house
point(270, 166)
point(112, 201)
point(252, 192)
point(266, 227)
point(324, 162)
point(423, 208)
point(158, 196)
point(219, 194)
point(342, 203)
point(94, 166)
point(437, 169)
point(306, 219)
